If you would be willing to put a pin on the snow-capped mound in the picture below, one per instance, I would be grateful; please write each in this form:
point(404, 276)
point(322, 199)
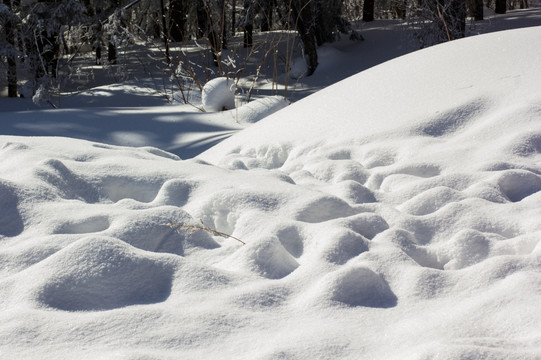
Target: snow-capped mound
point(218, 94)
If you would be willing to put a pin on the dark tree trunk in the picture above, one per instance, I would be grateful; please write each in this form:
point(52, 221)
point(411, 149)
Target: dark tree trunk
point(325, 24)
point(202, 19)
point(248, 35)
point(266, 22)
point(111, 48)
point(458, 11)
point(399, 8)
point(111, 53)
point(478, 10)
point(452, 14)
point(214, 42)
point(233, 17)
point(12, 63)
point(223, 24)
point(368, 10)
point(178, 20)
point(248, 26)
point(501, 6)
point(303, 20)
point(98, 54)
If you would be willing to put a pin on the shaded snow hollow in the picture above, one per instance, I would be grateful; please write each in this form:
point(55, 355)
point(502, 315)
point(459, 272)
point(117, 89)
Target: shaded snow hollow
point(394, 215)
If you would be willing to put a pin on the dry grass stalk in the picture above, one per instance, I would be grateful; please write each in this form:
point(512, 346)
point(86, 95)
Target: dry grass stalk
point(190, 229)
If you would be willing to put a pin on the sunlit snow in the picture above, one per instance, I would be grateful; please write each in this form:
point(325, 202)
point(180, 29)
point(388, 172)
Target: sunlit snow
point(393, 215)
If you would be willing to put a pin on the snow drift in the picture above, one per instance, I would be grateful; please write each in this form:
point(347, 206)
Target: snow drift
point(394, 215)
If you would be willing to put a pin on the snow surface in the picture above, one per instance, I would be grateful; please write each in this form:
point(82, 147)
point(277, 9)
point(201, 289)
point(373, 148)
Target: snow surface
point(394, 215)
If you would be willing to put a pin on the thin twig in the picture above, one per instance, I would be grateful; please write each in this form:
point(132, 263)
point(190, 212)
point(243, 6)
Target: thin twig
point(190, 229)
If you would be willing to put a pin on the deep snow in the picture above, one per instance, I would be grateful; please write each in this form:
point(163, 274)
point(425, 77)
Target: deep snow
point(394, 215)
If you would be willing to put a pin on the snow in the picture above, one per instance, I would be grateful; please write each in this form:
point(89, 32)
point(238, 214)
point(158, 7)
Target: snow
point(218, 94)
point(393, 215)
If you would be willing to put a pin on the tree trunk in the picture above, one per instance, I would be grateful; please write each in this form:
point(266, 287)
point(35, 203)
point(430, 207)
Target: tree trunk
point(214, 44)
point(303, 20)
point(248, 35)
point(178, 20)
point(233, 17)
point(478, 10)
point(458, 11)
point(165, 38)
point(266, 22)
point(501, 6)
point(202, 19)
point(223, 24)
point(111, 47)
point(368, 10)
point(111, 53)
point(399, 9)
point(452, 14)
point(12, 64)
point(249, 24)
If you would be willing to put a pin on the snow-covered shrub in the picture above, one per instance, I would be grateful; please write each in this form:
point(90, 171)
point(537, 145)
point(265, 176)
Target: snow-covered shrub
point(219, 94)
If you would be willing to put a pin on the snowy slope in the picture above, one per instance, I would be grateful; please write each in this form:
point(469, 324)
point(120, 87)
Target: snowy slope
point(394, 215)
point(434, 92)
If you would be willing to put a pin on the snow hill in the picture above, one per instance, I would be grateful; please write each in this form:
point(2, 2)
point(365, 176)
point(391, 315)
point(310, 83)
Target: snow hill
point(394, 215)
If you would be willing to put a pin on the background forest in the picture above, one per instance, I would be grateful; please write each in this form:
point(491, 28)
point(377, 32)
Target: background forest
point(46, 46)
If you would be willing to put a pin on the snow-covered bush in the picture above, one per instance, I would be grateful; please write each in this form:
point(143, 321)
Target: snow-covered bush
point(219, 94)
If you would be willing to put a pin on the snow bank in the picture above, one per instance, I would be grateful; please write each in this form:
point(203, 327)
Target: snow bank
point(258, 109)
point(394, 215)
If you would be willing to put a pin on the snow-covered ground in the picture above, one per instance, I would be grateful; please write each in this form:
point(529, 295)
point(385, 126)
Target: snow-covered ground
point(393, 215)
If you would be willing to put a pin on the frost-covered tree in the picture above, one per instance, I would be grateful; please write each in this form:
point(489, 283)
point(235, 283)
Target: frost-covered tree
point(42, 39)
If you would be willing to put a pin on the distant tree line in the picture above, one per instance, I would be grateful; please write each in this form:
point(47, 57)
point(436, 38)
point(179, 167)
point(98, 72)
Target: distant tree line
point(35, 34)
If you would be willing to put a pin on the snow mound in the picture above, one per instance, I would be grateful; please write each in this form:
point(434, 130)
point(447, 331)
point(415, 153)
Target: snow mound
point(98, 273)
point(259, 109)
point(359, 286)
point(218, 94)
